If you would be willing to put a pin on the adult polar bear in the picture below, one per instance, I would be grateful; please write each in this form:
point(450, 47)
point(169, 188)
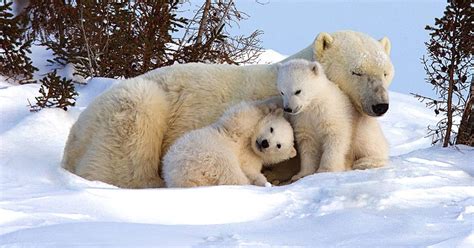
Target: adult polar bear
point(123, 134)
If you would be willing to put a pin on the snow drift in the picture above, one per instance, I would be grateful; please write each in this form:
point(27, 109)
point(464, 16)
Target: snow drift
point(424, 196)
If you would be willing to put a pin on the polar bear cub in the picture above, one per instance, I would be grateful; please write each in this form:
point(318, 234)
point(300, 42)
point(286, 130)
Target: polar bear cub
point(232, 150)
point(321, 115)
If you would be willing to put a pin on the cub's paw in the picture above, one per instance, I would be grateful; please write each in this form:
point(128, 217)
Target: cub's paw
point(368, 163)
point(261, 181)
point(323, 169)
point(299, 176)
point(268, 185)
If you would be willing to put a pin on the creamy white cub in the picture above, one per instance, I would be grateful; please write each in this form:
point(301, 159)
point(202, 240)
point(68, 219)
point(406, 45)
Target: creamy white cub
point(321, 115)
point(232, 150)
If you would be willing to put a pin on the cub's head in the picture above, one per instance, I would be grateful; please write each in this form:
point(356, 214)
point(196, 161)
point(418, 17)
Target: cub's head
point(273, 139)
point(296, 82)
point(360, 65)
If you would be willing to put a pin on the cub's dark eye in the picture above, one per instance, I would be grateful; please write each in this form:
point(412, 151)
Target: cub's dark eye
point(281, 92)
point(385, 74)
point(271, 130)
point(278, 146)
point(297, 92)
point(356, 73)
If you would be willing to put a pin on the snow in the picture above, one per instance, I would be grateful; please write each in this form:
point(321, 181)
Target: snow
point(269, 56)
point(423, 197)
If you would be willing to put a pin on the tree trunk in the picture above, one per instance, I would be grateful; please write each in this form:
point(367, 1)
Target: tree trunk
point(466, 128)
point(449, 106)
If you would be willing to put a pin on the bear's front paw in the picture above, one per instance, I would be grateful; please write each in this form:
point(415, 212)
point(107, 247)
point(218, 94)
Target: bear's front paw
point(330, 169)
point(299, 176)
point(268, 185)
point(368, 163)
point(260, 181)
point(322, 170)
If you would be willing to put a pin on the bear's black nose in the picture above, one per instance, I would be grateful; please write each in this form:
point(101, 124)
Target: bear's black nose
point(289, 110)
point(265, 143)
point(380, 109)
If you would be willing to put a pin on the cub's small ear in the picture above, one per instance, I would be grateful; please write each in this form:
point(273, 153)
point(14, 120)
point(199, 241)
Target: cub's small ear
point(279, 66)
point(278, 112)
point(293, 152)
point(315, 68)
point(322, 42)
point(268, 105)
point(266, 109)
point(387, 46)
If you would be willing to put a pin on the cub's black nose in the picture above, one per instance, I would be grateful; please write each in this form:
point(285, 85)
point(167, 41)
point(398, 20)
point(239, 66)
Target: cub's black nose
point(289, 110)
point(265, 143)
point(380, 109)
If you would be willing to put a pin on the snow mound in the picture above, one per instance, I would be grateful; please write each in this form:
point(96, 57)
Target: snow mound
point(270, 56)
point(425, 196)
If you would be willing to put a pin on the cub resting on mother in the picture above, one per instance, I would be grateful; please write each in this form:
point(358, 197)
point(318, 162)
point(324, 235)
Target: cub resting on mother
point(123, 134)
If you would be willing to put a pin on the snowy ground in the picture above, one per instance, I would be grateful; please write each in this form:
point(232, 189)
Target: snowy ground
point(425, 196)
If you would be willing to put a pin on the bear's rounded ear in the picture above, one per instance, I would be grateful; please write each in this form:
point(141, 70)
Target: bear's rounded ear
point(386, 45)
point(278, 112)
point(279, 66)
point(322, 42)
point(293, 152)
point(315, 68)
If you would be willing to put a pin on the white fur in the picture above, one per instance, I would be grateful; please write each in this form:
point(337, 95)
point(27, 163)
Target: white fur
point(115, 140)
point(228, 151)
point(342, 54)
point(121, 137)
point(369, 58)
point(322, 116)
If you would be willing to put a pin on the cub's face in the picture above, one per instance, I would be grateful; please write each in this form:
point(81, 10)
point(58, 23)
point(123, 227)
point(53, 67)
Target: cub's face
point(296, 80)
point(273, 140)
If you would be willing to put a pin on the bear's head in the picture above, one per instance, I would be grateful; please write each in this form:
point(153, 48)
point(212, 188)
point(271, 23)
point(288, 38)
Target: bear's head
point(360, 65)
point(296, 82)
point(273, 138)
